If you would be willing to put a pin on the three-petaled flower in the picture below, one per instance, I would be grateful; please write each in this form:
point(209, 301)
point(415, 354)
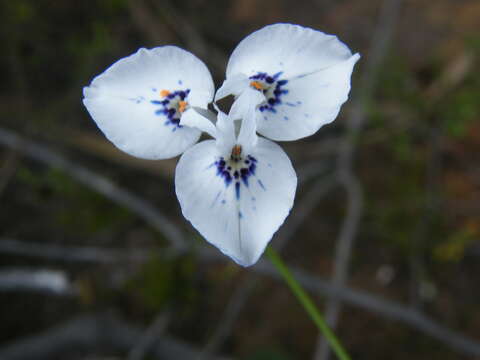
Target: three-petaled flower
point(237, 189)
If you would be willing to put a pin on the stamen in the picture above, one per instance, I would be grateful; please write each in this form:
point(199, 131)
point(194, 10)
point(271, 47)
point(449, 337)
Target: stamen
point(164, 93)
point(257, 85)
point(236, 151)
point(182, 106)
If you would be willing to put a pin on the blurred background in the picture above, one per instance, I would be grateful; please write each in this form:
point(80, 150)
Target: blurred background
point(384, 232)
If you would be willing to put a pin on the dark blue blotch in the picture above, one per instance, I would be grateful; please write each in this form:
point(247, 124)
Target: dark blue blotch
point(244, 174)
point(277, 75)
point(237, 190)
point(223, 172)
point(240, 215)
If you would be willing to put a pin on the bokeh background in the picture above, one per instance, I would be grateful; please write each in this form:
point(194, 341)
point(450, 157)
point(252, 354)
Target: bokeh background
point(384, 232)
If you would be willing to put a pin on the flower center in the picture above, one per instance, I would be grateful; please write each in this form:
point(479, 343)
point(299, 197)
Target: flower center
point(173, 104)
point(272, 87)
point(236, 169)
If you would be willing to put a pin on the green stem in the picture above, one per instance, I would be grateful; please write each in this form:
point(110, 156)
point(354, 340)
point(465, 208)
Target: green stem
point(307, 303)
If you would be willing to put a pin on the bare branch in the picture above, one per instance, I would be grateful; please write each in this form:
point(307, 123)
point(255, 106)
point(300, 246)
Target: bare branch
point(97, 182)
point(314, 284)
point(148, 339)
point(93, 333)
point(229, 317)
point(382, 36)
point(377, 305)
point(76, 253)
point(44, 281)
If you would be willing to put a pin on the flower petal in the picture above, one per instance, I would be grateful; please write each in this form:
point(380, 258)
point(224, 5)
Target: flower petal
point(225, 133)
point(132, 101)
point(291, 49)
point(194, 119)
point(232, 86)
point(245, 107)
point(308, 103)
point(236, 213)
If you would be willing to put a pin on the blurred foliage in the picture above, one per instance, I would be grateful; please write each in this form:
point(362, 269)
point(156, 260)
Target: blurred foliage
point(161, 283)
point(452, 249)
point(268, 354)
point(80, 212)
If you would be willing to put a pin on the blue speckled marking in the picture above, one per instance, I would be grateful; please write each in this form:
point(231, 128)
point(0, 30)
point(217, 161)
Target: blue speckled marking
point(236, 171)
point(137, 100)
point(223, 202)
point(285, 118)
point(274, 90)
point(240, 215)
point(168, 109)
point(180, 82)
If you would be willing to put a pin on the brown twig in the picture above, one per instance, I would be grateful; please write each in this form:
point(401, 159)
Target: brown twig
point(99, 183)
point(91, 333)
point(147, 340)
point(382, 36)
point(361, 299)
point(314, 284)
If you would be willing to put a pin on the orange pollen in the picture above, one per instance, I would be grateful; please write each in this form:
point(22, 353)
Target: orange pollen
point(164, 93)
point(182, 106)
point(257, 85)
point(236, 151)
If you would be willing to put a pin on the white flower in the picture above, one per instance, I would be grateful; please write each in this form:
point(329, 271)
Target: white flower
point(139, 100)
point(303, 74)
point(236, 190)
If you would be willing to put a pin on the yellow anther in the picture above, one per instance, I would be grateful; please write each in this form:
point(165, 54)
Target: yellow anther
point(257, 85)
point(182, 106)
point(164, 93)
point(236, 151)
